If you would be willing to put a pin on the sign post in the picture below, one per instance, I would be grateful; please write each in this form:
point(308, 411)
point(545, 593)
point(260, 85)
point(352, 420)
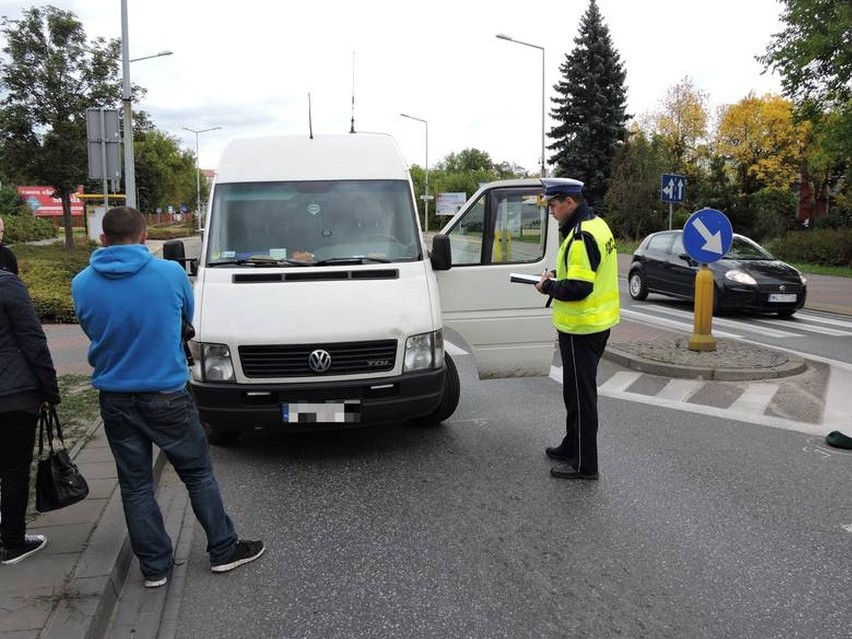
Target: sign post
point(707, 237)
point(672, 189)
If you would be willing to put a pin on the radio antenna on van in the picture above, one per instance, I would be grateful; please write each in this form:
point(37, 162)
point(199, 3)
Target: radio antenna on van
point(352, 127)
point(310, 124)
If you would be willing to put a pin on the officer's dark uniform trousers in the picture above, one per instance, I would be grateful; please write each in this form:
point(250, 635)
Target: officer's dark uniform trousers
point(580, 357)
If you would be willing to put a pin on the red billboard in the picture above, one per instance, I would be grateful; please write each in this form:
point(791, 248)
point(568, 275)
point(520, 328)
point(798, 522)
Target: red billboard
point(40, 199)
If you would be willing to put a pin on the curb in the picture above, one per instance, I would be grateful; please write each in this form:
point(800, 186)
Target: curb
point(719, 373)
point(98, 578)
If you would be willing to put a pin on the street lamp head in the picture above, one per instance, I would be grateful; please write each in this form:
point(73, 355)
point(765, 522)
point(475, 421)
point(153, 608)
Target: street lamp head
point(503, 36)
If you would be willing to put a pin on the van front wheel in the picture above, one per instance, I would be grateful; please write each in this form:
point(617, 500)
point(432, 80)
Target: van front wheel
point(450, 399)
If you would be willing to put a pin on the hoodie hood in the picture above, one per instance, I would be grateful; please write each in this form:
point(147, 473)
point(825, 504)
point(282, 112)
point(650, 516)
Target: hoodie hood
point(116, 262)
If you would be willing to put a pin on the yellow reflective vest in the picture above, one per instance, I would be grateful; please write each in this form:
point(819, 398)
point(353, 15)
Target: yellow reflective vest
point(598, 311)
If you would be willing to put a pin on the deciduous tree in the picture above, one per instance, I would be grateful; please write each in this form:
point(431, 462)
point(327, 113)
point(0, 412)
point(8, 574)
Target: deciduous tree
point(813, 52)
point(51, 74)
point(762, 139)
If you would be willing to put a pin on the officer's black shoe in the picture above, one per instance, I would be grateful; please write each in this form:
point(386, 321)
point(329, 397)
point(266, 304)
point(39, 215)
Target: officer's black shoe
point(556, 452)
point(568, 472)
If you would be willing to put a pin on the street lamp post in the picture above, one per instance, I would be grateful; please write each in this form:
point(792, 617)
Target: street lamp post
point(426, 195)
point(503, 36)
point(197, 169)
point(129, 163)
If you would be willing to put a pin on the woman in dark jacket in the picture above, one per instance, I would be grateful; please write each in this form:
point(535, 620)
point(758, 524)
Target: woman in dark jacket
point(27, 380)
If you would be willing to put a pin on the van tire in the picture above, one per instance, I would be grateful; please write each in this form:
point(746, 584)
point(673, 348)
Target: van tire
point(219, 436)
point(450, 398)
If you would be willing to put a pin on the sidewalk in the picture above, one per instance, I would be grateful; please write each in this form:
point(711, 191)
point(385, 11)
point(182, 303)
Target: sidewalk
point(72, 588)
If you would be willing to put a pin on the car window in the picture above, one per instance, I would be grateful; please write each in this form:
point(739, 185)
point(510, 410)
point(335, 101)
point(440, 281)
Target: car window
point(518, 222)
point(501, 227)
point(466, 235)
point(743, 248)
point(677, 246)
point(659, 243)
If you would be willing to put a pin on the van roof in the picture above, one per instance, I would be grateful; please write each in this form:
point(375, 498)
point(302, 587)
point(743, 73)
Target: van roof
point(353, 156)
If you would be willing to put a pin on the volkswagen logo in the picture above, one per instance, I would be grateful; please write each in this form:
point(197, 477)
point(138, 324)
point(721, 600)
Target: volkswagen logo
point(319, 361)
point(782, 288)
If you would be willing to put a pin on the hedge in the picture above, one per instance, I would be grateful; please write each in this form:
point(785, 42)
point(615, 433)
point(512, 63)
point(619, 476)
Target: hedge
point(825, 247)
point(47, 271)
point(26, 227)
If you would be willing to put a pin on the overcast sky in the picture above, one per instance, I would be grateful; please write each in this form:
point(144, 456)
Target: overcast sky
point(248, 66)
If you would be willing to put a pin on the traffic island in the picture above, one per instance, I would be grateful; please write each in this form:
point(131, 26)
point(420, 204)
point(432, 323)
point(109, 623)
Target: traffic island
point(731, 361)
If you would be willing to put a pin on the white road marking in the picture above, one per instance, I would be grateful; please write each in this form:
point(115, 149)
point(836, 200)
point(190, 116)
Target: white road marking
point(620, 381)
point(729, 323)
point(821, 330)
point(837, 411)
point(700, 409)
point(680, 390)
point(755, 398)
point(667, 323)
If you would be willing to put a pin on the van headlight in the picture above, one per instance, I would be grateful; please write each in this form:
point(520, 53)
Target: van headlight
point(424, 351)
point(212, 362)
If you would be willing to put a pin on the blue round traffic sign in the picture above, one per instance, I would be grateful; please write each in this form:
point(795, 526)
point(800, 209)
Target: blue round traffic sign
point(707, 235)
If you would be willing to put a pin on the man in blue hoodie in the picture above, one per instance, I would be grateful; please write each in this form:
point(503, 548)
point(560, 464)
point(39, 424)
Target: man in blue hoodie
point(131, 306)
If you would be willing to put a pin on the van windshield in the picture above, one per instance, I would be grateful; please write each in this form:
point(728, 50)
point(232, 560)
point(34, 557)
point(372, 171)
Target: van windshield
point(312, 223)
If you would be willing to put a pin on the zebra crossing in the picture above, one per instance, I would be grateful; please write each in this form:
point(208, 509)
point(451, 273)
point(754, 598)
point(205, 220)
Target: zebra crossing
point(756, 402)
point(805, 323)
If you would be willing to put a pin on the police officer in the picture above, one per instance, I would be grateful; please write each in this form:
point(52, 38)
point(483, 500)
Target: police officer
point(584, 292)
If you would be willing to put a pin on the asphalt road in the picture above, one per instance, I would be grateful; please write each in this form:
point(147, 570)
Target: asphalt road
point(699, 527)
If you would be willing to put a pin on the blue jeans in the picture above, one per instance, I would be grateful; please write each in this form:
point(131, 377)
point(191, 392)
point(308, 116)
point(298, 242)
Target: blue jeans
point(132, 422)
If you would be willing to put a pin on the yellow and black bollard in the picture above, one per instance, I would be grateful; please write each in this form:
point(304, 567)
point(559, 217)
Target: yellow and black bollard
point(702, 337)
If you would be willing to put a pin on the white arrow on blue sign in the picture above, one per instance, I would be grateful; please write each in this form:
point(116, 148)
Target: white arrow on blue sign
point(672, 188)
point(707, 235)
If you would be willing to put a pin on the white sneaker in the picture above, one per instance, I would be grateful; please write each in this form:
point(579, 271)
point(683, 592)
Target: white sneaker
point(32, 544)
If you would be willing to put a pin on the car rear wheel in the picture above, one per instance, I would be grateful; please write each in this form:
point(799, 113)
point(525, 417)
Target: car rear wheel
point(636, 286)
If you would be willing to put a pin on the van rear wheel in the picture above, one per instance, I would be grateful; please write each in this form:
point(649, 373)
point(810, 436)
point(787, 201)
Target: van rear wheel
point(450, 399)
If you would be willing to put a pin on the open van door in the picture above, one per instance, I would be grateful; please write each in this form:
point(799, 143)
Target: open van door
point(503, 229)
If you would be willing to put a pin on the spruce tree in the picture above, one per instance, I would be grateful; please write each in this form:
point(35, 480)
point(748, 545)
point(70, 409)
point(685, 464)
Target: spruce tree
point(589, 108)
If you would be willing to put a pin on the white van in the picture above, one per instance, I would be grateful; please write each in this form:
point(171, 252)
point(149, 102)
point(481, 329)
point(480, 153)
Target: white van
point(317, 302)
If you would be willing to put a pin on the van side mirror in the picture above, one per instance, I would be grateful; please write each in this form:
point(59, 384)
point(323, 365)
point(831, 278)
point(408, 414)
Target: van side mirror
point(174, 250)
point(440, 255)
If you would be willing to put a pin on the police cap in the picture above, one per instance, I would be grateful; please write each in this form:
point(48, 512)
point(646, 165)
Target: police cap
point(560, 187)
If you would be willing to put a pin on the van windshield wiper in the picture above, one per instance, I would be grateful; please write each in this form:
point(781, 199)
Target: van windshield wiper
point(258, 260)
point(355, 259)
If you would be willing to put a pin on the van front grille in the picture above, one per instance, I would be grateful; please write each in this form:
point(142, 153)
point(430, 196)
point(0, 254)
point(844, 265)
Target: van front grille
point(346, 358)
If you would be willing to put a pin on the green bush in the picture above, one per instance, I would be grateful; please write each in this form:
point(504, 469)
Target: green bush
point(774, 212)
point(170, 232)
point(47, 271)
point(828, 247)
point(26, 227)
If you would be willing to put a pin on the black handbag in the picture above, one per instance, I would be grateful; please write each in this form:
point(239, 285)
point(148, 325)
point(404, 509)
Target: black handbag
point(58, 481)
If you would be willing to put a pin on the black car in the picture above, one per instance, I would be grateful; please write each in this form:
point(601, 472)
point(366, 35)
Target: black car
point(747, 278)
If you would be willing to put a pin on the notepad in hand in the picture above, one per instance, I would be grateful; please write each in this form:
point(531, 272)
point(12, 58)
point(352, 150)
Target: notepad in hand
point(523, 278)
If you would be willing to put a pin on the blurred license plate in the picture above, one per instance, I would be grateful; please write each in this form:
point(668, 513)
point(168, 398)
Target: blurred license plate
point(782, 297)
point(345, 412)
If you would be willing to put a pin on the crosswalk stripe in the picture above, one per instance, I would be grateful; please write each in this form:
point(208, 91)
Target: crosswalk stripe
point(680, 390)
point(667, 323)
point(717, 321)
point(619, 381)
point(819, 319)
point(821, 330)
point(755, 398)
